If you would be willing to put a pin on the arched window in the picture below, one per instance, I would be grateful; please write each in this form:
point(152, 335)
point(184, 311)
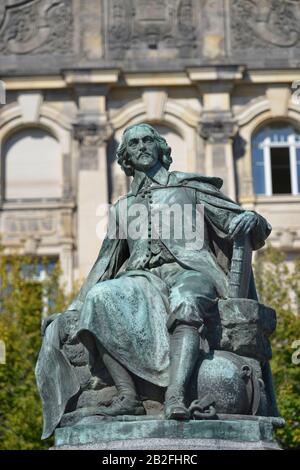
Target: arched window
point(276, 160)
point(178, 146)
point(33, 166)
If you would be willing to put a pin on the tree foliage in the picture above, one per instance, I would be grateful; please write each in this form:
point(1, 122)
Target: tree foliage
point(22, 299)
point(278, 285)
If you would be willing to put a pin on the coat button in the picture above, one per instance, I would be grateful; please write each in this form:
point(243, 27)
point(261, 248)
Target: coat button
point(155, 248)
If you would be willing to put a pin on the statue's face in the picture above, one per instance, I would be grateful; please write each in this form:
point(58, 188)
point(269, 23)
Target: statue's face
point(142, 150)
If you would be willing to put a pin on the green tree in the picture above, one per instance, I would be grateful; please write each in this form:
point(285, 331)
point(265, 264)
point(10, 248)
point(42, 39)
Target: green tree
point(21, 303)
point(279, 287)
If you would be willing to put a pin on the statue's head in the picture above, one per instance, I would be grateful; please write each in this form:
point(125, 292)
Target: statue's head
point(141, 148)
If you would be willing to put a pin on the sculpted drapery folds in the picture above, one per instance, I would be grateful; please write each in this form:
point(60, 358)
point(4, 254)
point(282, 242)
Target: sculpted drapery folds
point(146, 309)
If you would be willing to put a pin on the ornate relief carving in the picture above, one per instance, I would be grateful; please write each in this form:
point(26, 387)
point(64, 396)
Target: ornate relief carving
point(31, 245)
point(136, 25)
point(265, 23)
point(36, 26)
point(90, 136)
point(286, 237)
point(186, 27)
point(217, 128)
point(29, 224)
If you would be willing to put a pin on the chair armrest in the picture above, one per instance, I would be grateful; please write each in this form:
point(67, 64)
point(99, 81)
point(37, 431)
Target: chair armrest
point(240, 270)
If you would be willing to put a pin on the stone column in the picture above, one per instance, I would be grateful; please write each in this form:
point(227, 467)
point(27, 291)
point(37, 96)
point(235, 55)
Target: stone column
point(67, 265)
point(217, 128)
point(66, 255)
point(91, 132)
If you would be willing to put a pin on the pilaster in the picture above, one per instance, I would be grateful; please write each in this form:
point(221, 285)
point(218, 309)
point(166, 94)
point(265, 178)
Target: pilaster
point(217, 128)
point(91, 131)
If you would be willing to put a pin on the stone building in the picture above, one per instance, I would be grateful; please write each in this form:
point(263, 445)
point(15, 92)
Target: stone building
point(218, 78)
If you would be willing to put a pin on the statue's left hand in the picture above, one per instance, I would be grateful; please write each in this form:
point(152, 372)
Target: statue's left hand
point(242, 224)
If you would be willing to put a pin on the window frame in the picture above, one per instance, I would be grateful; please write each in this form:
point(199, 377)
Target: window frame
point(293, 144)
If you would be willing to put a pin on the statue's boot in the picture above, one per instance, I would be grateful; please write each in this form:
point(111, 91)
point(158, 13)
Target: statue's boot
point(127, 401)
point(184, 352)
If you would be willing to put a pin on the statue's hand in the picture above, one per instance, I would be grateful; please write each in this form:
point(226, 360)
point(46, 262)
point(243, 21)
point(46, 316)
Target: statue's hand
point(241, 225)
point(46, 322)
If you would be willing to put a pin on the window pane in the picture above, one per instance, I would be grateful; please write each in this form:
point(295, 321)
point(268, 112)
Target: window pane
point(258, 168)
point(279, 132)
point(275, 137)
point(281, 172)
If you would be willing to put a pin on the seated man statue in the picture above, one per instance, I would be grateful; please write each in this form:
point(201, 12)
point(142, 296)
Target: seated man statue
point(142, 310)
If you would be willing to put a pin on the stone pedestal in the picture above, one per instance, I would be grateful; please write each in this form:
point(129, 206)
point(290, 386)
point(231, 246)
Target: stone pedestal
point(154, 433)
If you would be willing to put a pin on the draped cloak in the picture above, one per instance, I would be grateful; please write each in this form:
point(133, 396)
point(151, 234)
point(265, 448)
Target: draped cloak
point(56, 378)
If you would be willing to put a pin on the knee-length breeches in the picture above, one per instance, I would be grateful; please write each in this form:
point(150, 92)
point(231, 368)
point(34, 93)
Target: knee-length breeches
point(132, 315)
point(191, 294)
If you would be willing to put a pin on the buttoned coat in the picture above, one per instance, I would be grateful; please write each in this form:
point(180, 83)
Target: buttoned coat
point(219, 211)
point(55, 375)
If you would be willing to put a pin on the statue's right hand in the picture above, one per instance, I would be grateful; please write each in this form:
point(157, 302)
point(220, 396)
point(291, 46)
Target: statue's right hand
point(46, 322)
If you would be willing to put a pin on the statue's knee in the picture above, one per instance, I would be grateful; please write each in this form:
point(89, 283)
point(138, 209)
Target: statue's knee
point(91, 294)
point(99, 292)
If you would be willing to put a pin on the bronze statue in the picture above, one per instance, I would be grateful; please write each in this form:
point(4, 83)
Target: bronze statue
point(154, 307)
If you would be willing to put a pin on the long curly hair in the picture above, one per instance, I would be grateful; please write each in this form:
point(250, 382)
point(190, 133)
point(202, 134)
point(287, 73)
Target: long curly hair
point(164, 151)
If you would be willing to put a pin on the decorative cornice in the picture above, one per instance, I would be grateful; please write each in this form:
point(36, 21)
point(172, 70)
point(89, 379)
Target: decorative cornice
point(90, 135)
point(217, 73)
point(156, 79)
point(217, 127)
point(268, 76)
point(93, 76)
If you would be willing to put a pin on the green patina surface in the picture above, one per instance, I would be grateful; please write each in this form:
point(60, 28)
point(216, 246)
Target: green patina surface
point(235, 430)
point(159, 310)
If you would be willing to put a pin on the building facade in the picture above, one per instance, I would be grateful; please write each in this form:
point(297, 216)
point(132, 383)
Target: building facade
point(218, 78)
